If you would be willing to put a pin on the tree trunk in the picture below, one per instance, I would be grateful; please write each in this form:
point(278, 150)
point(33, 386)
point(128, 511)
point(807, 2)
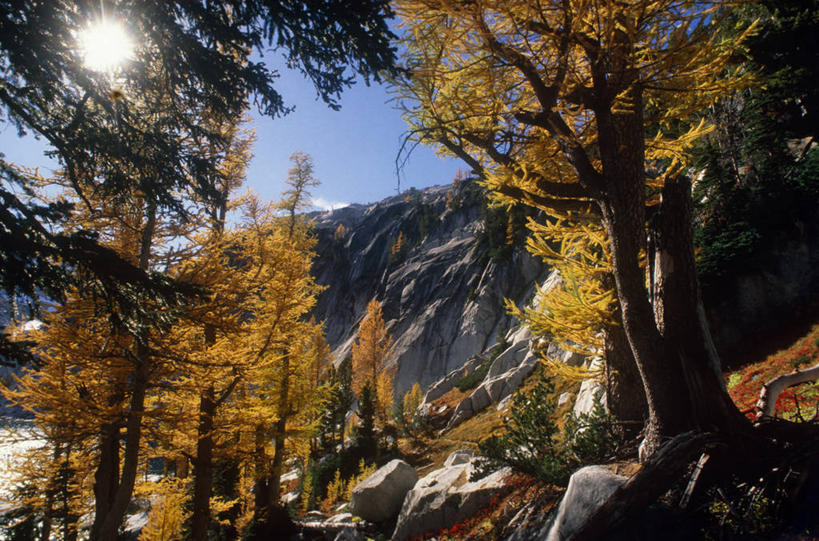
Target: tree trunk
point(106, 478)
point(68, 518)
point(280, 434)
point(680, 316)
point(278, 461)
point(51, 490)
point(261, 489)
point(626, 397)
point(107, 528)
point(203, 467)
point(672, 346)
point(622, 206)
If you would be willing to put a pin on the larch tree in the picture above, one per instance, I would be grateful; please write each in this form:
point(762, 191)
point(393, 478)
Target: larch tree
point(283, 334)
point(584, 107)
point(96, 366)
point(198, 53)
point(369, 360)
point(580, 312)
point(139, 147)
point(207, 341)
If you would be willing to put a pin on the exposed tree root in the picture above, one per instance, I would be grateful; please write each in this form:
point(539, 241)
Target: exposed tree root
point(750, 478)
point(656, 476)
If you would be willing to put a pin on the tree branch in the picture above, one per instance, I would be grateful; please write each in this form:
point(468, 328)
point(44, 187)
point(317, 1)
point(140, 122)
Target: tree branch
point(770, 392)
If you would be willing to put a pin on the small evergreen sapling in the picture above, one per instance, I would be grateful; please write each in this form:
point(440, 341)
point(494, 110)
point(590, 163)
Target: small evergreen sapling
point(533, 443)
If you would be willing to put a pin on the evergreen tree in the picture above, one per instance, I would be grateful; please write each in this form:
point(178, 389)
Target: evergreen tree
point(365, 438)
point(195, 54)
point(336, 407)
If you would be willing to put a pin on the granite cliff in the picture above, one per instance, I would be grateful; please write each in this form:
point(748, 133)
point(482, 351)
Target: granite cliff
point(442, 293)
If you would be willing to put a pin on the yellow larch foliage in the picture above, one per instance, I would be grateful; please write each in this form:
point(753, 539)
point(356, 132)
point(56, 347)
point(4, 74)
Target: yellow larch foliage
point(340, 233)
point(509, 87)
point(409, 405)
point(398, 245)
point(369, 359)
point(167, 516)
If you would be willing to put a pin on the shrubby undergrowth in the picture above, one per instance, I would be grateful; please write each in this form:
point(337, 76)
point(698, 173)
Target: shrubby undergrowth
point(535, 444)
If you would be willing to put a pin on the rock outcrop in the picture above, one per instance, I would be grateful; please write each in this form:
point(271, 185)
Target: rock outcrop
point(442, 294)
point(378, 497)
point(510, 369)
point(445, 497)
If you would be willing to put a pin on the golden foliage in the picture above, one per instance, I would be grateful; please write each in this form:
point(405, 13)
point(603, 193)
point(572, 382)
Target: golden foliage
point(398, 245)
point(519, 90)
point(167, 515)
point(340, 233)
point(369, 360)
point(412, 399)
point(341, 490)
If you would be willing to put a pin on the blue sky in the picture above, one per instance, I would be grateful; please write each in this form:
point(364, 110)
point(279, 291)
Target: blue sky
point(353, 149)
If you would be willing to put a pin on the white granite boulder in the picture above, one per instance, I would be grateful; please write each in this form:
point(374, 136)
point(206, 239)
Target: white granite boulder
point(378, 497)
point(588, 489)
point(445, 497)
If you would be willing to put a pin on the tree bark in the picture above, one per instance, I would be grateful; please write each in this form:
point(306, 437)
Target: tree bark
point(108, 527)
point(280, 433)
point(203, 463)
point(261, 488)
point(106, 478)
point(670, 340)
point(622, 205)
point(203, 467)
point(626, 397)
point(68, 518)
point(51, 490)
point(679, 314)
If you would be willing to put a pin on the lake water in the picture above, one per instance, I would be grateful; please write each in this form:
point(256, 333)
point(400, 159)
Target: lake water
point(15, 439)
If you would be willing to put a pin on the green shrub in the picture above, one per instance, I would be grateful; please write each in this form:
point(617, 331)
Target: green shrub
point(471, 380)
point(533, 443)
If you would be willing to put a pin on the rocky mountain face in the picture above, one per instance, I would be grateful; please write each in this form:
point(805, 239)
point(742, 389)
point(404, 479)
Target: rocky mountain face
point(442, 290)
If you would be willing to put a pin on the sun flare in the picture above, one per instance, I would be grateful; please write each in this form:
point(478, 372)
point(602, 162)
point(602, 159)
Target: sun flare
point(105, 45)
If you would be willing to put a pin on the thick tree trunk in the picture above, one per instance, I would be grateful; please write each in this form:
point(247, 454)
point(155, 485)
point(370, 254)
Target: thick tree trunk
point(622, 206)
point(626, 397)
point(679, 314)
point(666, 399)
point(106, 478)
point(203, 467)
point(672, 346)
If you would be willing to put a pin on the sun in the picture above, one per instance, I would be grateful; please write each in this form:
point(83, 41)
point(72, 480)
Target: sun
point(105, 46)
